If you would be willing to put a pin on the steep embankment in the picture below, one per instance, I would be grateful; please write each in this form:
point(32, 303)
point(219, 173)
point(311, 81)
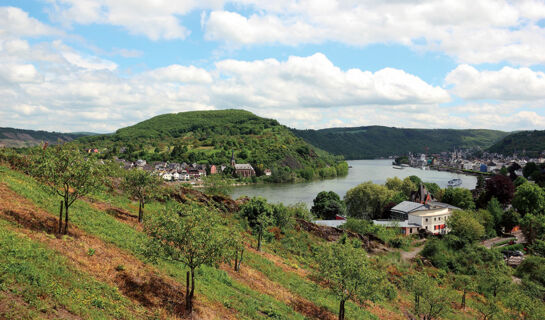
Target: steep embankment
point(531, 143)
point(211, 137)
point(377, 141)
point(106, 248)
point(18, 138)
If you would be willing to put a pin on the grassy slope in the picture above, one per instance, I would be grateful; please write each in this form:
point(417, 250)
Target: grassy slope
point(46, 285)
point(533, 142)
point(212, 136)
point(276, 283)
point(10, 137)
point(215, 285)
point(378, 141)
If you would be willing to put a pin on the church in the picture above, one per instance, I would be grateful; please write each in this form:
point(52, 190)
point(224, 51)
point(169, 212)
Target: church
point(243, 169)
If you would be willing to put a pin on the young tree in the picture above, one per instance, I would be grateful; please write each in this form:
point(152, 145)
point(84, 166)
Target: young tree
point(327, 205)
point(67, 173)
point(430, 301)
point(367, 200)
point(216, 184)
point(259, 215)
point(192, 236)
point(344, 268)
point(496, 211)
point(141, 185)
point(464, 283)
point(529, 199)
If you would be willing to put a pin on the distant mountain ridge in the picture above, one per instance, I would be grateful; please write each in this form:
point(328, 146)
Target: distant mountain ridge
point(17, 138)
point(531, 143)
point(378, 141)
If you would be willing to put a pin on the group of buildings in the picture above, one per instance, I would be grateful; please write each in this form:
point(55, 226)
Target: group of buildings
point(420, 215)
point(466, 160)
point(173, 171)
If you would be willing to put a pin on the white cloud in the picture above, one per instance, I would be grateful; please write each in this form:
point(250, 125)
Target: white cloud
point(471, 31)
point(15, 22)
point(19, 73)
point(521, 84)
point(178, 73)
point(315, 82)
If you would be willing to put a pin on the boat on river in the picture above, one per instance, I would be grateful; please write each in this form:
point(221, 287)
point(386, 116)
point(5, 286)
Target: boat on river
point(398, 167)
point(454, 183)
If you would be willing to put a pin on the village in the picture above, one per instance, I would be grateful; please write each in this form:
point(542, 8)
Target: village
point(472, 161)
point(192, 173)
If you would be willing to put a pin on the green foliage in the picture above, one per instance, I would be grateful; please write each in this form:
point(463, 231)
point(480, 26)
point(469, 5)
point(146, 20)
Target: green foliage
point(430, 301)
point(533, 227)
point(496, 212)
point(405, 186)
point(433, 188)
point(377, 141)
point(367, 200)
point(142, 186)
point(459, 197)
point(211, 136)
point(464, 225)
point(67, 173)
point(531, 141)
point(368, 228)
point(533, 268)
point(529, 199)
point(519, 181)
point(215, 184)
point(345, 268)
point(327, 205)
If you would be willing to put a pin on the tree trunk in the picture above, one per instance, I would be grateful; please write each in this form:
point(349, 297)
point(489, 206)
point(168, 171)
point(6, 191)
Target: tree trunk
point(140, 212)
point(259, 241)
point(240, 260)
point(66, 217)
point(187, 296)
point(60, 217)
point(236, 260)
point(341, 310)
point(192, 293)
point(464, 300)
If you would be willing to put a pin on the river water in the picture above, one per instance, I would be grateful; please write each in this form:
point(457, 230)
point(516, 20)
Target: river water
point(376, 171)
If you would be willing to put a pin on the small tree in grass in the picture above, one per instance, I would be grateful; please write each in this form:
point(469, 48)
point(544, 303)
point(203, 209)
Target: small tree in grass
point(464, 283)
point(141, 185)
point(259, 215)
point(345, 270)
point(430, 301)
point(192, 236)
point(67, 173)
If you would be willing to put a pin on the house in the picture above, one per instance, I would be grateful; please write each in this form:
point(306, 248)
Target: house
point(412, 217)
point(268, 172)
point(140, 163)
point(167, 177)
point(213, 169)
point(243, 169)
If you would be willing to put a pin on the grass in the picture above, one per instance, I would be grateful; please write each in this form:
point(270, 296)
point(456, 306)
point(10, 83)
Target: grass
point(214, 284)
point(503, 242)
point(48, 285)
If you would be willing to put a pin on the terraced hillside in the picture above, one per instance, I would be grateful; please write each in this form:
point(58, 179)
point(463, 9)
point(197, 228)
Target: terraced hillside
point(99, 270)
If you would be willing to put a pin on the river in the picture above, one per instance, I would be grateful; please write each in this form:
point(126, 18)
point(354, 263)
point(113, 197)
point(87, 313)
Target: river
point(376, 171)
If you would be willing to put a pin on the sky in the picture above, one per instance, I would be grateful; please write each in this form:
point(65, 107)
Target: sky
point(100, 65)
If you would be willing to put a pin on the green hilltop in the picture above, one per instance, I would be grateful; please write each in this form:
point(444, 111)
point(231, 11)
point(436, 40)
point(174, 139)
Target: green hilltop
point(532, 142)
point(378, 141)
point(210, 137)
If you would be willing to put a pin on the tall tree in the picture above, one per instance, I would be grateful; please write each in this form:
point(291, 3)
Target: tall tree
point(501, 187)
point(464, 225)
point(141, 185)
point(459, 197)
point(529, 199)
point(327, 205)
point(191, 235)
point(69, 174)
point(367, 200)
point(345, 269)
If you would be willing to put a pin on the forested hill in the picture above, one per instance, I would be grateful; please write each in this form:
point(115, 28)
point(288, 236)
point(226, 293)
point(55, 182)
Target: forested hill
point(211, 137)
point(10, 137)
point(378, 141)
point(530, 142)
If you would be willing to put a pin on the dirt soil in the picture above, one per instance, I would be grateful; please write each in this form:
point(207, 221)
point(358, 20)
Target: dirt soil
point(141, 283)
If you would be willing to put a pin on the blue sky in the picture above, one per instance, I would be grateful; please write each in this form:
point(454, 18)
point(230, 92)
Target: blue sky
point(98, 65)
